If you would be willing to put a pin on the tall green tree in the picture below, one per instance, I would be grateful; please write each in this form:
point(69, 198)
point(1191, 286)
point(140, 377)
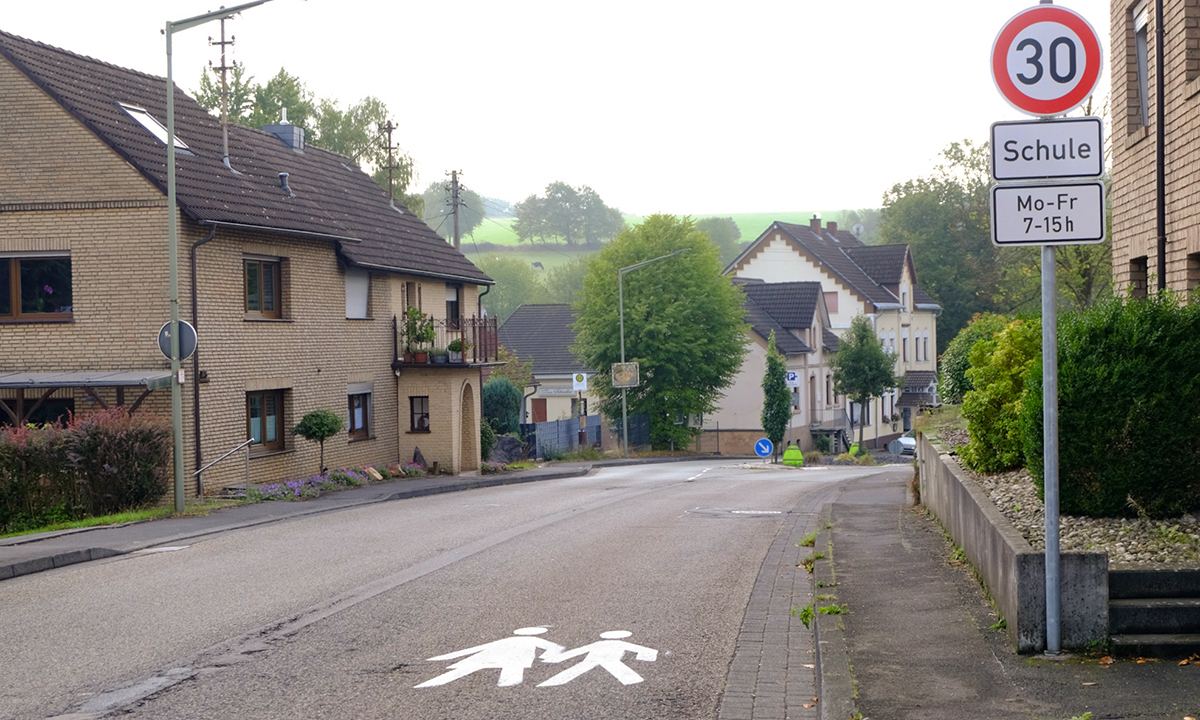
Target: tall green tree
point(356, 131)
point(517, 284)
point(438, 212)
point(684, 325)
point(946, 220)
point(241, 94)
point(724, 233)
point(564, 283)
point(570, 215)
point(862, 369)
point(777, 400)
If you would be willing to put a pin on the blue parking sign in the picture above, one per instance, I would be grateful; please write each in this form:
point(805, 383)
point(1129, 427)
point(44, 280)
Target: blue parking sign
point(763, 447)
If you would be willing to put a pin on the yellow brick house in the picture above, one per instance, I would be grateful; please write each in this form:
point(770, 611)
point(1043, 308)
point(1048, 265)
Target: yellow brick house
point(295, 268)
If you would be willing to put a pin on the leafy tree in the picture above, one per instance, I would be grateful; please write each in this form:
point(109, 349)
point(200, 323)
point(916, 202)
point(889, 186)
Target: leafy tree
point(683, 323)
point(777, 400)
point(999, 367)
point(572, 215)
point(438, 213)
point(597, 221)
point(283, 91)
point(564, 283)
point(946, 221)
point(502, 404)
point(355, 132)
point(724, 233)
point(862, 369)
point(956, 360)
point(318, 426)
point(516, 284)
point(869, 218)
point(514, 370)
point(241, 94)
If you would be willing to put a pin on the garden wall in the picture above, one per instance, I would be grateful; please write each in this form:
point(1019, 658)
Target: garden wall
point(1013, 571)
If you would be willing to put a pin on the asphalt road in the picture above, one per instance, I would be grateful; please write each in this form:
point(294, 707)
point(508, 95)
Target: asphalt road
point(338, 615)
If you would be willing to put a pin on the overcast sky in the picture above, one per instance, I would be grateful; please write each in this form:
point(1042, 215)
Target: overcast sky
point(677, 107)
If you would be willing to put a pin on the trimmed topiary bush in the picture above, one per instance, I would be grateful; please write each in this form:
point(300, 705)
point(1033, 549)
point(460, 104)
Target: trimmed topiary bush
point(319, 426)
point(954, 383)
point(502, 405)
point(993, 407)
point(1128, 408)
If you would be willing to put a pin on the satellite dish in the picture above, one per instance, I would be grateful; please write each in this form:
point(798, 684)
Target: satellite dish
point(857, 229)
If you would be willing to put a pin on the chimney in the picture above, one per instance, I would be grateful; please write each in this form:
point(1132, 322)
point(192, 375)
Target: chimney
point(832, 227)
point(284, 184)
point(291, 135)
point(815, 223)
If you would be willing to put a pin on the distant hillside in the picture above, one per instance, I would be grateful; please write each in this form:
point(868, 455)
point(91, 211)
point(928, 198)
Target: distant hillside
point(498, 231)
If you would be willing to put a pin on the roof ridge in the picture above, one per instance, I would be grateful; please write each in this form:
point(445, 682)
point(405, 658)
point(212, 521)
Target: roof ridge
point(89, 58)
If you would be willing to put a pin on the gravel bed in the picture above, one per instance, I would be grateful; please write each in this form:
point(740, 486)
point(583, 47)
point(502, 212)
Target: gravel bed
point(1128, 541)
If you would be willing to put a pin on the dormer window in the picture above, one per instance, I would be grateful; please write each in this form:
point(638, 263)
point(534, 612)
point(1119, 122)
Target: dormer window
point(157, 129)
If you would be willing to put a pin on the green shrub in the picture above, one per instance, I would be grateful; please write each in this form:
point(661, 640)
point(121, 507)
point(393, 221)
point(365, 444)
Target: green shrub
point(121, 461)
point(502, 405)
point(318, 426)
point(36, 481)
point(487, 439)
point(822, 444)
point(1129, 429)
point(993, 406)
point(954, 383)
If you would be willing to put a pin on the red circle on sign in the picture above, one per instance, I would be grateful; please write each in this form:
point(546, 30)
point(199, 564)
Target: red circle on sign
point(1073, 97)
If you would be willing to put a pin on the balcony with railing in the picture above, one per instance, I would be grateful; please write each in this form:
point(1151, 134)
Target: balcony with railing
point(444, 343)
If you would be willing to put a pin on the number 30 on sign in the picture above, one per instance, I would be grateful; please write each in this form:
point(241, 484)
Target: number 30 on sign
point(1046, 60)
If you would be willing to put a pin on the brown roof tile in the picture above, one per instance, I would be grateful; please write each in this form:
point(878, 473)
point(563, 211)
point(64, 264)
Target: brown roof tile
point(330, 197)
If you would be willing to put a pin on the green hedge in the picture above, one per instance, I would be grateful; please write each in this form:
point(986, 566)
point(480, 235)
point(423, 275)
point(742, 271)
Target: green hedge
point(993, 407)
point(1129, 410)
point(95, 465)
point(954, 363)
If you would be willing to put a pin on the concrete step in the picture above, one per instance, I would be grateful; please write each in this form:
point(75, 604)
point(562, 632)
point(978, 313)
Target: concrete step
point(1154, 615)
point(1164, 583)
point(1167, 647)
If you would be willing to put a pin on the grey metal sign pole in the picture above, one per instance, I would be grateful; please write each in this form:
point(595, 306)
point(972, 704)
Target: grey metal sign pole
point(1050, 445)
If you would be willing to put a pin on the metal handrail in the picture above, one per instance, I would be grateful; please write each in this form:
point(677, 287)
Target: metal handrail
point(214, 462)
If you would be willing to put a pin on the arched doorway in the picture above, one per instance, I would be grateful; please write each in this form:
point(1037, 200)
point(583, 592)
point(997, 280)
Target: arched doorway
point(469, 431)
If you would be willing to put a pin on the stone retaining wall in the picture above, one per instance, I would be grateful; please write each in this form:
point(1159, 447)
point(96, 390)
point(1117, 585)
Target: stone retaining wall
point(1013, 571)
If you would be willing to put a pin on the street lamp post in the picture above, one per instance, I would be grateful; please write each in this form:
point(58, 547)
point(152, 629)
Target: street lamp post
point(621, 312)
point(173, 239)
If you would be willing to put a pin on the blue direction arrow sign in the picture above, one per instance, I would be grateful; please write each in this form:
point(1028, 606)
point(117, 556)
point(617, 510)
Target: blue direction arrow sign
point(763, 447)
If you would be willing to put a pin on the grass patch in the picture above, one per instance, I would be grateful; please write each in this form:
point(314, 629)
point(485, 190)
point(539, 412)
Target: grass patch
point(945, 419)
point(835, 609)
point(808, 541)
point(129, 516)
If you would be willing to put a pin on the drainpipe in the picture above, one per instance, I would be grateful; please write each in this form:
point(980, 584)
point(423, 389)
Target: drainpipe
point(1161, 132)
point(479, 299)
point(525, 402)
point(196, 364)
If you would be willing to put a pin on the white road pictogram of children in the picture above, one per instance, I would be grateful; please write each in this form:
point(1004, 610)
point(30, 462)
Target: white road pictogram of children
point(606, 653)
point(512, 655)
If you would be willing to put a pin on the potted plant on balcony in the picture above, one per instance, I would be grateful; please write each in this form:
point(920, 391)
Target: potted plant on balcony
point(418, 334)
point(441, 356)
point(457, 347)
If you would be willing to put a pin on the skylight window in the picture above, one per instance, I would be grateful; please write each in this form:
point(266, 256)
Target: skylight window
point(156, 128)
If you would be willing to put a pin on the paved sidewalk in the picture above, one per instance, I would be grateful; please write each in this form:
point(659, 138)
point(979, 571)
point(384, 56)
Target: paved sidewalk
point(918, 641)
point(27, 554)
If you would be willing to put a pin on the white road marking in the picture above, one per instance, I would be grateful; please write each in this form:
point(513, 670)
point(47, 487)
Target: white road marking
point(606, 654)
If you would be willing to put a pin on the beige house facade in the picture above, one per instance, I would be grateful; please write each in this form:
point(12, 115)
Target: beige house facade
point(795, 312)
point(877, 281)
point(293, 265)
point(1138, 264)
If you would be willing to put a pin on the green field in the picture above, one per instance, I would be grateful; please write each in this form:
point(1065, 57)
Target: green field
point(497, 231)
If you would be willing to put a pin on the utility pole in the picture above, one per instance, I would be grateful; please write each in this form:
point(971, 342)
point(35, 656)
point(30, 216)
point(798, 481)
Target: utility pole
point(223, 69)
point(389, 147)
point(454, 204)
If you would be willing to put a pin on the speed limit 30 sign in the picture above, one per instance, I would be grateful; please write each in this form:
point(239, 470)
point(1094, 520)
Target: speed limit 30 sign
point(1046, 60)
